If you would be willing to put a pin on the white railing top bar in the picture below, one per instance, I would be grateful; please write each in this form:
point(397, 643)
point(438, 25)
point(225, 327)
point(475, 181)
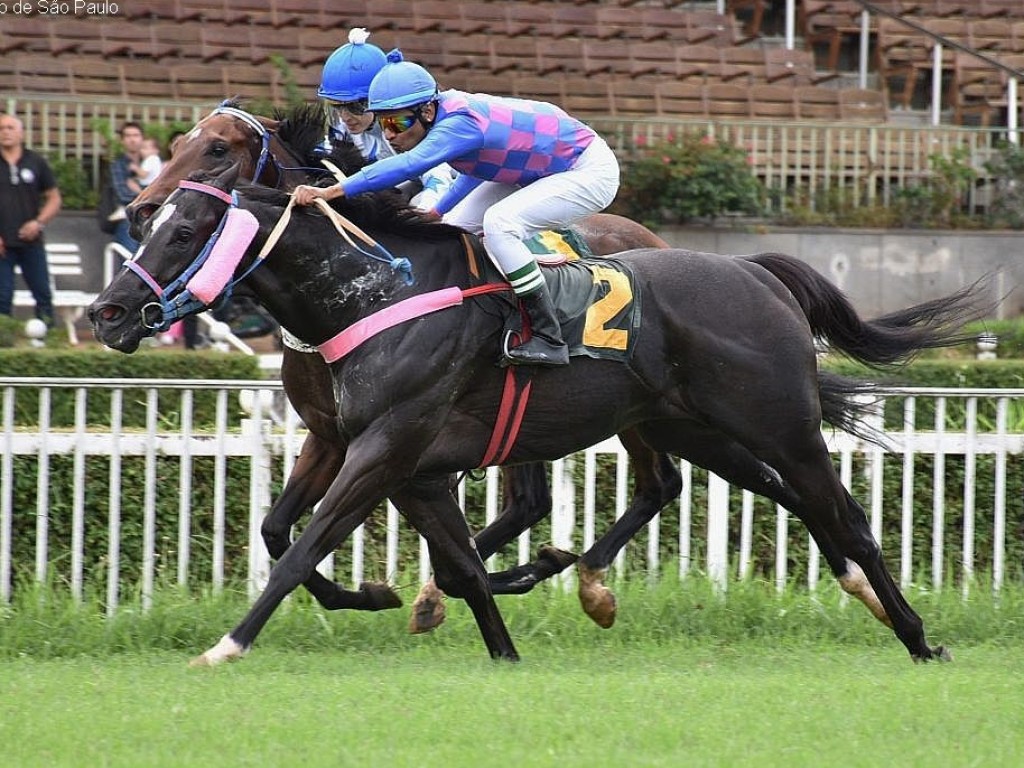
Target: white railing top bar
point(275, 384)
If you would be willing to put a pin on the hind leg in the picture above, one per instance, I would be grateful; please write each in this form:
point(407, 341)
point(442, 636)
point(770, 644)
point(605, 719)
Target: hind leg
point(804, 463)
point(656, 482)
point(835, 533)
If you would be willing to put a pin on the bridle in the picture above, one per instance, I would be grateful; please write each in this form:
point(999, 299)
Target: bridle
point(264, 135)
point(177, 300)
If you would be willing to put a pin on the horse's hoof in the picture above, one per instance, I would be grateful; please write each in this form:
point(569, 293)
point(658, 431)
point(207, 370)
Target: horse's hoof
point(561, 557)
point(428, 612)
point(939, 653)
point(381, 596)
point(226, 649)
point(597, 600)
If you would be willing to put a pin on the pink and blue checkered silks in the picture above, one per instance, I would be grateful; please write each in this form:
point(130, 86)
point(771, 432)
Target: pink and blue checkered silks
point(485, 138)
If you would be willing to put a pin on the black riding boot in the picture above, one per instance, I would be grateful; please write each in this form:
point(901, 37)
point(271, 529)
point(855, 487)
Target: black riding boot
point(545, 346)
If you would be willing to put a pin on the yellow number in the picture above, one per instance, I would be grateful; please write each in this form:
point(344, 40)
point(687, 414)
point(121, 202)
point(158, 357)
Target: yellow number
point(604, 309)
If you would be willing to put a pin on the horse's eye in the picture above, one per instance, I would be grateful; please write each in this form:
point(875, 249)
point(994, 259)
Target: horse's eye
point(219, 149)
point(183, 235)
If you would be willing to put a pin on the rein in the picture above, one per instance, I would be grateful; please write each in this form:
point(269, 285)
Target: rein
point(177, 300)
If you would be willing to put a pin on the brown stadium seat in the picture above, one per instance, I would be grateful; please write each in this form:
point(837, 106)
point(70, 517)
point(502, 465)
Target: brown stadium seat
point(172, 10)
point(572, 21)
point(658, 59)
point(148, 80)
point(565, 55)
point(862, 105)
point(198, 82)
point(180, 41)
point(675, 22)
point(772, 101)
point(991, 35)
point(315, 45)
point(682, 99)
point(468, 52)
point(43, 74)
point(607, 56)
point(436, 16)
point(727, 99)
point(127, 38)
point(813, 102)
point(707, 25)
point(634, 97)
point(250, 83)
point(743, 63)
point(628, 23)
point(76, 35)
point(587, 96)
point(95, 77)
point(344, 14)
point(705, 60)
point(513, 54)
point(550, 89)
point(796, 67)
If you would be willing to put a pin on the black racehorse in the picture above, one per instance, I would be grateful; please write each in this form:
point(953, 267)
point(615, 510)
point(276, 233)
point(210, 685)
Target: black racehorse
point(720, 370)
point(284, 152)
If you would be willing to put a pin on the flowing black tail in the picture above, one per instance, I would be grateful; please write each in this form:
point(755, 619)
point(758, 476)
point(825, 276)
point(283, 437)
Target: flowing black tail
point(884, 342)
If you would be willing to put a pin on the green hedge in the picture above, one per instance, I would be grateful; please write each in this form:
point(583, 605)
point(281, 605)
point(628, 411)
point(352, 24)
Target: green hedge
point(102, 363)
point(994, 374)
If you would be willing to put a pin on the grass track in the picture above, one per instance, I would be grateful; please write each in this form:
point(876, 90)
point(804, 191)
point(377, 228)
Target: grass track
point(683, 679)
point(672, 705)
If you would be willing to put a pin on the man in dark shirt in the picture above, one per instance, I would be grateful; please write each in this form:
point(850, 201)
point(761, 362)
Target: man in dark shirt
point(125, 179)
point(29, 200)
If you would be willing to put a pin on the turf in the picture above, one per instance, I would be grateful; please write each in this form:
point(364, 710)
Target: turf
point(685, 678)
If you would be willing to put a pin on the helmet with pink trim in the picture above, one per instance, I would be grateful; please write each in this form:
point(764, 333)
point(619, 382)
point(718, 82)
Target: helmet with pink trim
point(401, 84)
point(349, 70)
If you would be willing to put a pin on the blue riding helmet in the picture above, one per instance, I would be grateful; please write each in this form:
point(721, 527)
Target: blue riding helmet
point(401, 84)
point(349, 70)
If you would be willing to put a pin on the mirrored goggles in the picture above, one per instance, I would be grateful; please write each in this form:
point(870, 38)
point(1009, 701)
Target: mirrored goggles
point(399, 123)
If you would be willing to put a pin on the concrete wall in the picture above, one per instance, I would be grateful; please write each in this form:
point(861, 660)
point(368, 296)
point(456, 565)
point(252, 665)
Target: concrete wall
point(880, 270)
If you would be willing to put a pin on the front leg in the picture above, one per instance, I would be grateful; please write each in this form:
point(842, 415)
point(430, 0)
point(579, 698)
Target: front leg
point(315, 469)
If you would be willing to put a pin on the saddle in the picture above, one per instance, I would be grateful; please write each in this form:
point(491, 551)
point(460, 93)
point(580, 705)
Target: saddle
point(597, 301)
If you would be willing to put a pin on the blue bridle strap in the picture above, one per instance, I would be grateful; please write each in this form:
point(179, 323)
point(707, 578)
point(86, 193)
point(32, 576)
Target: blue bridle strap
point(176, 301)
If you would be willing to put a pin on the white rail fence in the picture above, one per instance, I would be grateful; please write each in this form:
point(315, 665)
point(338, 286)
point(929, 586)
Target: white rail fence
point(110, 485)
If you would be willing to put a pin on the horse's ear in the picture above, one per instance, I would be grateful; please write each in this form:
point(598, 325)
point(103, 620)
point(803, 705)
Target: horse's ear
point(227, 178)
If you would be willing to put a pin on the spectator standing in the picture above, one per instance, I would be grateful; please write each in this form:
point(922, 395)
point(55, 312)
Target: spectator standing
point(124, 177)
point(29, 200)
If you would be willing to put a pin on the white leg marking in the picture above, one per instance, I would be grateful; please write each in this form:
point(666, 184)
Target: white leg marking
point(857, 584)
point(226, 649)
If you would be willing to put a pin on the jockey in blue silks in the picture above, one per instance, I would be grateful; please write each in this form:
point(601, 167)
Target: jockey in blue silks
point(525, 166)
point(344, 88)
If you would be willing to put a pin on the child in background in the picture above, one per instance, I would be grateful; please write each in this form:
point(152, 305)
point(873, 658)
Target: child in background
point(151, 164)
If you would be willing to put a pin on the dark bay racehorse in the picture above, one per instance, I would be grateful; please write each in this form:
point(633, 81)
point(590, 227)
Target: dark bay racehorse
point(722, 373)
point(282, 153)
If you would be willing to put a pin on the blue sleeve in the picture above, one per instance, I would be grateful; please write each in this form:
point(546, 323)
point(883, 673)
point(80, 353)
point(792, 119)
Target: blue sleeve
point(119, 177)
point(449, 138)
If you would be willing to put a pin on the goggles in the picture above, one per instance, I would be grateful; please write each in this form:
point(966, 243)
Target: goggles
point(399, 123)
point(354, 108)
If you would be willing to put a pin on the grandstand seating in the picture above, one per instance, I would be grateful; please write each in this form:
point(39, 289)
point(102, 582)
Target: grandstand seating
point(613, 57)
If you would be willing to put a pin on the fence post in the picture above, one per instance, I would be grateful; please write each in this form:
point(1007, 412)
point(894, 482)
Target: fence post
point(257, 433)
point(718, 530)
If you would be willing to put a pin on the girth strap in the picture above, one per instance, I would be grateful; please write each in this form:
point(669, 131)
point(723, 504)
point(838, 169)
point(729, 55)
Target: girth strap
point(514, 397)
